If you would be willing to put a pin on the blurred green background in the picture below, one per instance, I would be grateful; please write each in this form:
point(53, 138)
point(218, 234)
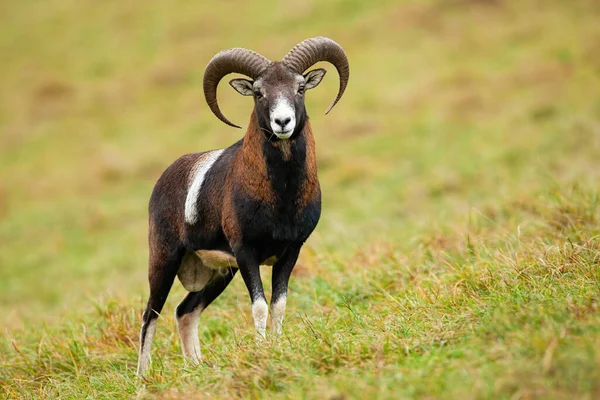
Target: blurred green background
point(465, 150)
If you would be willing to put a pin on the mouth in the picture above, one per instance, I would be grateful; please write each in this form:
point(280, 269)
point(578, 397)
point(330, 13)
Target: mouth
point(283, 134)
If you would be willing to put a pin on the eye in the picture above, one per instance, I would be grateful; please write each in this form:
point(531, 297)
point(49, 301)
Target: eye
point(258, 94)
point(301, 90)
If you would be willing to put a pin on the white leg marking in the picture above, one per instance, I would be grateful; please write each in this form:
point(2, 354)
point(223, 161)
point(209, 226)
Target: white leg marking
point(260, 313)
point(196, 180)
point(277, 312)
point(144, 358)
point(187, 326)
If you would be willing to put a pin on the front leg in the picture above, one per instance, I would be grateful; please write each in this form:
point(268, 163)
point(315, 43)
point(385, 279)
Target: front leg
point(281, 276)
point(247, 261)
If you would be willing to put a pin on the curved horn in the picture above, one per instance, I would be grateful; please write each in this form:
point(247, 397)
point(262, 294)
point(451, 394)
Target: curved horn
point(311, 51)
point(238, 60)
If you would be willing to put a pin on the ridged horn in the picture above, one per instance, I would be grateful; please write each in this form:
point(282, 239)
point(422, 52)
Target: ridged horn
point(239, 60)
point(310, 51)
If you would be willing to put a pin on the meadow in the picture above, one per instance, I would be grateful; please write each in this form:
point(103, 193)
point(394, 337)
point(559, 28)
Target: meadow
point(458, 253)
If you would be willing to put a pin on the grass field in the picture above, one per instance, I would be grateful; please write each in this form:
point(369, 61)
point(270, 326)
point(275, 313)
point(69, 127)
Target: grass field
point(458, 255)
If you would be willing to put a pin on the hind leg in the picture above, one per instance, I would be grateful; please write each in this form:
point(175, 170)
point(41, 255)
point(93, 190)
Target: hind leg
point(189, 310)
point(163, 267)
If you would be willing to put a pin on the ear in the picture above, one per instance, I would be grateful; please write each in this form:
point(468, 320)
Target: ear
point(242, 86)
point(313, 78)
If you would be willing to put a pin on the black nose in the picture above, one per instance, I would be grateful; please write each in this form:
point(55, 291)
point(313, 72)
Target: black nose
point(283, 122)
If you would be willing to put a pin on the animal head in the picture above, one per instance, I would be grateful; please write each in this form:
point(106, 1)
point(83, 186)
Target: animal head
point(277, 87)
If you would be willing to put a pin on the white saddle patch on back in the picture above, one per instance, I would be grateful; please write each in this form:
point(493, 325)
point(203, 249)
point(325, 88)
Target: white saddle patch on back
point(203, 165)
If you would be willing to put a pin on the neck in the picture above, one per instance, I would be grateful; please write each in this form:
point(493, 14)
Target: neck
point(288, 165)
point(260, 147)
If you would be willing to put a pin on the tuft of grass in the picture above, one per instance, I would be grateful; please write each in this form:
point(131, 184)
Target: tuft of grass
point(458, 255)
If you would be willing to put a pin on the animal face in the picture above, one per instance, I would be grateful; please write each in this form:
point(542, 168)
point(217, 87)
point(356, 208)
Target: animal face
point(279, 98)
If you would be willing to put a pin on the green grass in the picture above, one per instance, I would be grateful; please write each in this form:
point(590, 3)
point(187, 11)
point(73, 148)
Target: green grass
point(458, 255)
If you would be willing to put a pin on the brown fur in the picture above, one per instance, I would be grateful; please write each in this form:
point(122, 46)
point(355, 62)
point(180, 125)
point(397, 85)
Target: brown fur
point(311, 184)
point(229, 220)
point(250, 168)
point(285, 147)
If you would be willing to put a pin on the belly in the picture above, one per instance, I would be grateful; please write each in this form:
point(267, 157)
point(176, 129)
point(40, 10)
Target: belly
point(198, 268)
